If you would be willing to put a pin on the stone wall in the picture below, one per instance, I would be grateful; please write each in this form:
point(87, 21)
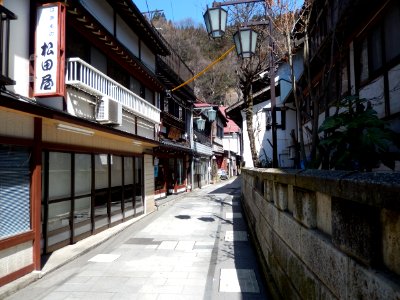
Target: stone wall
point(326, 234)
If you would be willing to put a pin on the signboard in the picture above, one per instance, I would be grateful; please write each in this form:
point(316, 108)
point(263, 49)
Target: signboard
point(174, 133)
point(49, 50)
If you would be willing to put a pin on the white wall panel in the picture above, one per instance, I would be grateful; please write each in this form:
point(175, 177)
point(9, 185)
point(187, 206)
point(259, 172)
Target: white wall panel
point(374, 92)
point(394, 89)
point(102, 12)
point(19, 47)
point(147, 57)
point(127, 37)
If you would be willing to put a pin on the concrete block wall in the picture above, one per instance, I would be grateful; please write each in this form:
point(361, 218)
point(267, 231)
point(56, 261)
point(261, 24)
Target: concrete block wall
point(324, 234)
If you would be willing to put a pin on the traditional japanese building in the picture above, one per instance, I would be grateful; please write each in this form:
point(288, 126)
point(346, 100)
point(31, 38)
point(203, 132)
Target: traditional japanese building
point(173, 158)
point(79, 119)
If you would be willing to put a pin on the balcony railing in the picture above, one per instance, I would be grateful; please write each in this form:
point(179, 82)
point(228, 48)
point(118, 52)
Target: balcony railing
point(85, 77)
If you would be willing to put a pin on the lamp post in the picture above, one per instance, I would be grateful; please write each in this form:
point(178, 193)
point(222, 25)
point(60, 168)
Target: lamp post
point(245, 42)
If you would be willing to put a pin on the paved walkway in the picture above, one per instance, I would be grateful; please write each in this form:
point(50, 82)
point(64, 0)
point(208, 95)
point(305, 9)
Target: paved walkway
point(195, 247)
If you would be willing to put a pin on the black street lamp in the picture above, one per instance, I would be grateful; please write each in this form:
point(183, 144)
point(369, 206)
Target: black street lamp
point(215, 19)
point(245, 40)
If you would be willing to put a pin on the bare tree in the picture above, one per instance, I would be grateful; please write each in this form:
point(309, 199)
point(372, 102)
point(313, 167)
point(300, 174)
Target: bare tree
point(249, 68)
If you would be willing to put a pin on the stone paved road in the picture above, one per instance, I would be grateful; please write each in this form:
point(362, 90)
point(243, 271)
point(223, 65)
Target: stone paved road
point(194, 248)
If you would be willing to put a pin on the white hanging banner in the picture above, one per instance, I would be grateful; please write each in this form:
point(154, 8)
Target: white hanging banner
point(49, 54)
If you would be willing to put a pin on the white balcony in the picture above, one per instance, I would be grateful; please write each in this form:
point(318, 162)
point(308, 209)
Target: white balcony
point(85, 77)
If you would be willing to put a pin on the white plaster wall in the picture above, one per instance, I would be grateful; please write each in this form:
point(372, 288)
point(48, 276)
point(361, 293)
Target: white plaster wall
point(147, 57)
point(374, 92)
point(19, 46)
point(15, 258)
point(102, 11)
point(127, 37)
point(14, 124)
point(394, 89)
point(285, 77)
point(262, 136)
point(231, 144)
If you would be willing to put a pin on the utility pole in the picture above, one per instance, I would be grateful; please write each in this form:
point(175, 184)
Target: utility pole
point(273, 96)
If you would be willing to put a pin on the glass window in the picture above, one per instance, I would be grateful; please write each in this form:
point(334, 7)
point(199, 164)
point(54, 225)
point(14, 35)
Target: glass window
point(149, 96)
point(101, 171)
point(101, 184)
point(171, 174)
point(116, 170)
point(159, 174)
point(128, 170)
point(180, 176)
point(82, 209)
point(345, 79)
point(134, 85)
point(375, 55)
point(117, 73)
point(83, 174)
point(138, 185)
point(59, 175)
point(116, 183)
point(83, 186)
point(363, 61)
point(128, 184)
point(59, 215)
point(14, 190)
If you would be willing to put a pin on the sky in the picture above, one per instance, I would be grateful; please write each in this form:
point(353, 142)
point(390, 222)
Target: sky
point(177, 10)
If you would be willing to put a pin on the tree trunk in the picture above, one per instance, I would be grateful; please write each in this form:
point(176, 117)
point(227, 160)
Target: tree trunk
point(296, 100)
point(249, 122)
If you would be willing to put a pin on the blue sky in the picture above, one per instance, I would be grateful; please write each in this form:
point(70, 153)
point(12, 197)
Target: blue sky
point(177, 10)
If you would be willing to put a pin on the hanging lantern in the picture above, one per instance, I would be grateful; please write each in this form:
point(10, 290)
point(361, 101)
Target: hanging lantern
point(201, 124)
point(245, 40)
point(215, 19)
point(212, 114)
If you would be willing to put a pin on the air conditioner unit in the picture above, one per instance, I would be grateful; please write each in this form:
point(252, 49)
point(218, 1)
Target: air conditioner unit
point(109, 111)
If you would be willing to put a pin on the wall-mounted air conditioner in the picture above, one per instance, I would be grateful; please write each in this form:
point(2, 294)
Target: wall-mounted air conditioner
point(109, 111)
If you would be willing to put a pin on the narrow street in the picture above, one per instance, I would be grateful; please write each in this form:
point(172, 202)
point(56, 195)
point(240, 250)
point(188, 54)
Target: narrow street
point(195, 247)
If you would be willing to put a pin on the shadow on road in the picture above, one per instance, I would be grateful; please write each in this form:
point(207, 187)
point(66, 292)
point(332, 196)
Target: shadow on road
point(236, 254)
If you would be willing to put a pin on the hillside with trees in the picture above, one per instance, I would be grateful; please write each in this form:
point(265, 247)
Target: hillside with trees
point(219, 84)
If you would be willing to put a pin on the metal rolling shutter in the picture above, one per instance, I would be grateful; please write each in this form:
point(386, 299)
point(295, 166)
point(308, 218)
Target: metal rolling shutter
point(14, 190)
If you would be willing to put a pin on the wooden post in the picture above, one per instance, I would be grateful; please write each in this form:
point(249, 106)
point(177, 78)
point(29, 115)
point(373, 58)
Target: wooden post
point(36, 191)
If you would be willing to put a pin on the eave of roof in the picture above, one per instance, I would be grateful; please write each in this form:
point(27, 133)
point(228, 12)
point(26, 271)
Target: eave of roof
point(132, 15)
